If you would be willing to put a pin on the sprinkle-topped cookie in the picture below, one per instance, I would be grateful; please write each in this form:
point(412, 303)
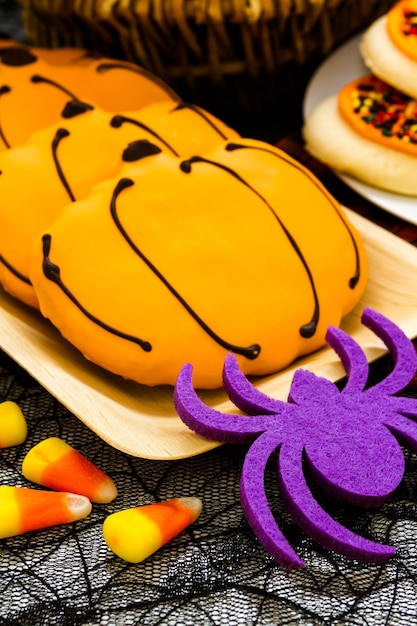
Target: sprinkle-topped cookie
point(381, 113)
point(402, 27)
point(389, 47)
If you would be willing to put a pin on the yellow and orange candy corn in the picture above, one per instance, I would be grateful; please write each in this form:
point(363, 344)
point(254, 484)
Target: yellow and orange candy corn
point(134, 534)
point(23, 509)
point(55, 464)
point(13, 427)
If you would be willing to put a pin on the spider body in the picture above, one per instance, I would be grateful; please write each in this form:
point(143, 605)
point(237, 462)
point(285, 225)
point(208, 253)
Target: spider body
point(360, 451)
point(348, 441)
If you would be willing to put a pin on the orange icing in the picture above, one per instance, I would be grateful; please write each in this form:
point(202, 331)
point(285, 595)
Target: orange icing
point(35, 86)
point(61, 163)
point(402, 27)
point(380, 113)
point(172, 257)
point(178, 260)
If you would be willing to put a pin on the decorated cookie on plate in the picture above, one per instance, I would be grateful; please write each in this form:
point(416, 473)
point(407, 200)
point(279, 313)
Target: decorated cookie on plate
point(35, 86)
point(239, 250)
point(369, 131)
point(389, 47)
point(60, 164)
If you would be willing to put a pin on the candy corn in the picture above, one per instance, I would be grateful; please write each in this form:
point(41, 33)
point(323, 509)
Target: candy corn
point(55, 464)
point(13, 427)
point(23, 509)
point(134, 534)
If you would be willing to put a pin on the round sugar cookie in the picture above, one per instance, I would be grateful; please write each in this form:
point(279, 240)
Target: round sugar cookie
point(60, 164)
point(35, 87)
point(389, 47)
point(368, 131)
point(238, 250)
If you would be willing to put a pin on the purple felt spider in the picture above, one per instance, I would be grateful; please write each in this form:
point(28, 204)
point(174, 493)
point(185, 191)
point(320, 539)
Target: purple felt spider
point(348, 440)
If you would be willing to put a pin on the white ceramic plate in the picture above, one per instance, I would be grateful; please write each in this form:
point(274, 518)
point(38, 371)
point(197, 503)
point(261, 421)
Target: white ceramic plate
point(344, 65)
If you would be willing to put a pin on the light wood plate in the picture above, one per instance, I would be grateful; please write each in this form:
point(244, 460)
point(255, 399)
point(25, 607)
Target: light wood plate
point(140, 420)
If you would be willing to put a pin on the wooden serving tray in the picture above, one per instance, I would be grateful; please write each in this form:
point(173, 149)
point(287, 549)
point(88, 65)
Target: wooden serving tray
point(140, 420)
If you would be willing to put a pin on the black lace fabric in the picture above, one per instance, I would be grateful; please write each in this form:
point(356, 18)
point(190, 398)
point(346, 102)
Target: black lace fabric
point(215, 572)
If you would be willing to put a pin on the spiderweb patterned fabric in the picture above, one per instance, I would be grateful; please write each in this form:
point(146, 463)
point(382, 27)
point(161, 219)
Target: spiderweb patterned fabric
point(215, 572)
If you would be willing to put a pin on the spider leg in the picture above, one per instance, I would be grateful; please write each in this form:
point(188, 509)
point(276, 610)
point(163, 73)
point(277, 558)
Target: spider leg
point(244, 395)
point(404, 428)
point(352, 357)
point(255, 502)
point(399, 346)
point(314, 520)
point(213, 424)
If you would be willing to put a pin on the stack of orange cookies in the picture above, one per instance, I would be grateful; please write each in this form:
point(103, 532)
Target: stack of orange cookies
point(369, 129)
point(151, 234)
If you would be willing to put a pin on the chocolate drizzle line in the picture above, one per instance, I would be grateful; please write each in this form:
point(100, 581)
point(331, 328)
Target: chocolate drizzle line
point(353, 281)
point(4, 89)
point(250, 352)
point(73, 108)
point(140, 149)
point(60, 134)
point(307, 330)
point(185, 105)
point(14, 271)
point(52, 273)
point(118, 120)
point(36, 78)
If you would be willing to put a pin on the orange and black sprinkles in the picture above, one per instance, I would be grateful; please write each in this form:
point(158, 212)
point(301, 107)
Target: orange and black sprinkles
point(381, 113)
point(409, 24)
point(402, 27)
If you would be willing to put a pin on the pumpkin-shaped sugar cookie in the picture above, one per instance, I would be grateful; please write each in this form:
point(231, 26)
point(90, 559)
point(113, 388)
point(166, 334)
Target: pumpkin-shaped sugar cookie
point(34, 91)
point(389, 47)
point(60, 164)
point(369, 131)
point(238, 250)
point(183, 128)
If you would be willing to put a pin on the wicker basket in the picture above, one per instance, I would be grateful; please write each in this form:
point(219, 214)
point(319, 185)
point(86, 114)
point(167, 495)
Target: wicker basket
point(233, 53)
